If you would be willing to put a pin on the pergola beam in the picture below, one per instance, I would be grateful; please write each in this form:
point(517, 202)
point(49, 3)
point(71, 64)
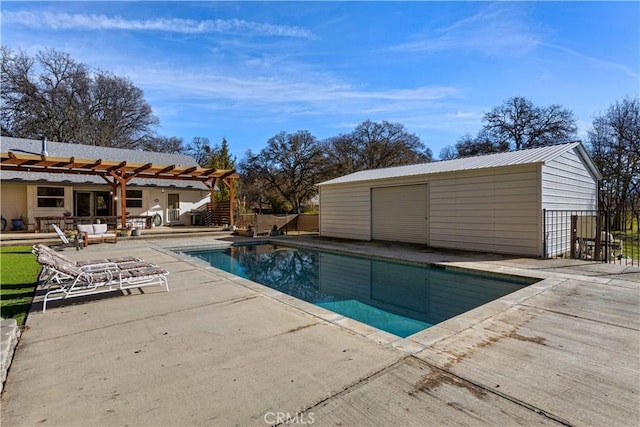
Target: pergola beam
point(117, 173)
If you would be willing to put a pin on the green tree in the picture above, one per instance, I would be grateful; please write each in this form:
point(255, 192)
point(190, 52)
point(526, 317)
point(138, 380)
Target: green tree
point(222, 159)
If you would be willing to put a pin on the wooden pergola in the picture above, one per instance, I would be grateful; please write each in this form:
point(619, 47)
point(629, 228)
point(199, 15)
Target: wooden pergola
point(118, 174)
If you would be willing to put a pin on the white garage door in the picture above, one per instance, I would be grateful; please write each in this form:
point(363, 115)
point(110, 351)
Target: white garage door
point(400, 213)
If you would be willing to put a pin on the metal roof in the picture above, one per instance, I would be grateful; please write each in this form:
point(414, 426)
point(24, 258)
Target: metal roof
point(511, 158)
point(22, 150)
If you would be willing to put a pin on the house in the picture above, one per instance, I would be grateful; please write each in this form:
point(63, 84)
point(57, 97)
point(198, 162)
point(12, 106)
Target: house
point(41, 179)
point(490, 203)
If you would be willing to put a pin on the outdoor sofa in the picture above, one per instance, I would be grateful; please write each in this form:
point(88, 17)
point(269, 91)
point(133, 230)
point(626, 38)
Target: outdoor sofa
point(96, 233)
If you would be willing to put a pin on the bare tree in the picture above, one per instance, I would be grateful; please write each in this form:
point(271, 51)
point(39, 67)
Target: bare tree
point(615, 148)
point(200, 149)
point(342, 154)
point(522, 125)
point(119, 115)
point(53, 95)
point(375, 145)
point(483, 143)
point(289, 166)
point(449, 152)
point(163, 144)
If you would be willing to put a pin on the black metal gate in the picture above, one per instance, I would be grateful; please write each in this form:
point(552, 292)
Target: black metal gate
point(599, 236)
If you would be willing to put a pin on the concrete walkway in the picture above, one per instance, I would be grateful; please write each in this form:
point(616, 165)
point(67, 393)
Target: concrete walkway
point(220, 350)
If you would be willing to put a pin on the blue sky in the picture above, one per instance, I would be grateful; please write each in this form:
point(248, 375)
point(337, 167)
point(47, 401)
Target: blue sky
point(248, 70)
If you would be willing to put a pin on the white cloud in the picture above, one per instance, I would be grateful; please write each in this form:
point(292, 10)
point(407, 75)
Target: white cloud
point(307, 95)
point(67, 21)
point(595, 61)
point(493, 31)
point(462, 114)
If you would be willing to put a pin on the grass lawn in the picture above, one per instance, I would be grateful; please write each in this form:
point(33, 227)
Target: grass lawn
point(18, 279)
point(631, 247)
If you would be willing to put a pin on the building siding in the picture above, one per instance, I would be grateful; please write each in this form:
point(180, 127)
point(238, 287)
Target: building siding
point(346, 208)
point(493, 210)
point(567, 185)
point(346, 211)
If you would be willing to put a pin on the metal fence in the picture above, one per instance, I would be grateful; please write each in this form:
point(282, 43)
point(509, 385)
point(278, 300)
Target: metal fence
point(599, 236)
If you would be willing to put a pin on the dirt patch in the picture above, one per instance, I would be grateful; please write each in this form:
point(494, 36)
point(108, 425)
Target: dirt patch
point(437, 378)
point(299, 328)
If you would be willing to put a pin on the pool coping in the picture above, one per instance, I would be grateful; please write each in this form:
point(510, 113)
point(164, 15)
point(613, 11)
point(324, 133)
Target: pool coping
point(412, 344)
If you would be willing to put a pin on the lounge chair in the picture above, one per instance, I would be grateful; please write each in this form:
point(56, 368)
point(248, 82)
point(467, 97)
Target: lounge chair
point(65, 240)
point(65, 279)
point(49, 276)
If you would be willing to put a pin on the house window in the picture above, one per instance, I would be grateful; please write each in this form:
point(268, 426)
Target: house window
point(50, 197)
point(134, 198)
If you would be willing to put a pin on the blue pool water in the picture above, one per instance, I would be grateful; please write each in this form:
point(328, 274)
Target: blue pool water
point(401, 299)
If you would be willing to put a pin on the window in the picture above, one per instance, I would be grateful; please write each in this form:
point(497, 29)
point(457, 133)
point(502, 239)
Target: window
point(50, 197)
point(134, 198)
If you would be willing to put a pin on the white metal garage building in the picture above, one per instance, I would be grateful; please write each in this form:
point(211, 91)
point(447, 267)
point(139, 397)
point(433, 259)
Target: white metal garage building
point(491, 203)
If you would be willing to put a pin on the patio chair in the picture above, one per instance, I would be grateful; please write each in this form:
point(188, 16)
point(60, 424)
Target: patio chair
point(73, 281)
point(65, 240)
point(614, 246)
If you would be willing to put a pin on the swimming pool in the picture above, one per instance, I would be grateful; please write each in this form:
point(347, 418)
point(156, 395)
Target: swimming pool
point(398, 298)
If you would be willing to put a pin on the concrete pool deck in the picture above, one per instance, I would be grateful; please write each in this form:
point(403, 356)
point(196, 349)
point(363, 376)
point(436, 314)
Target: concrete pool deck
point(220, 350)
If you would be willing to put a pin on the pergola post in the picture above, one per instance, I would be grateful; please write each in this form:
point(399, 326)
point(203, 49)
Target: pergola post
point(123, 202)
point(232, 198)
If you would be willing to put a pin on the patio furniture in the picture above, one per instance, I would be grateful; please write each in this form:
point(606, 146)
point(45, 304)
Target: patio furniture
point(96, 233)
point(48, 276)
point(608, 249)
point(65, 279)
point(65, 240)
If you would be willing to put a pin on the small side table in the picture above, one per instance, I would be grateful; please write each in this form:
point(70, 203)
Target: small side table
point(75, 238)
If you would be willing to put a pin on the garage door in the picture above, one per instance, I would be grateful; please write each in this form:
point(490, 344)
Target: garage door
point(400, 213)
